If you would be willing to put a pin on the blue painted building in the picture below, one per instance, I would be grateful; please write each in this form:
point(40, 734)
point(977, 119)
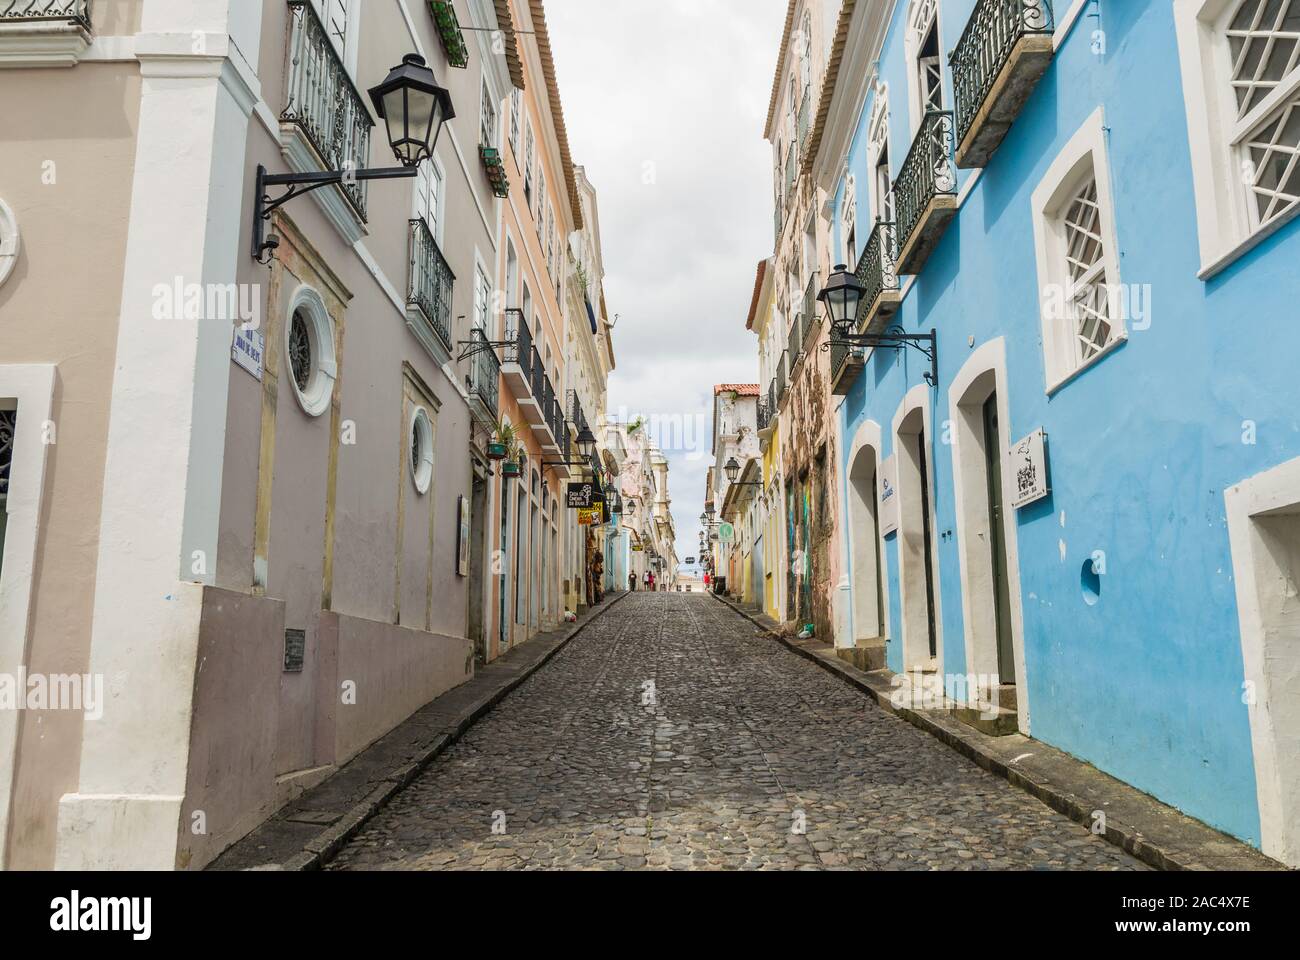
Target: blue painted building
point(1091, 203)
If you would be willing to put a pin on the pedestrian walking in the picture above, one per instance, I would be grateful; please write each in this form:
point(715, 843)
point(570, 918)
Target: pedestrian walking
point(631, 582)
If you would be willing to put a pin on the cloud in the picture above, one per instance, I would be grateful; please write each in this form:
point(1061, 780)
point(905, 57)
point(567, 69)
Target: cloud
point(664, 105)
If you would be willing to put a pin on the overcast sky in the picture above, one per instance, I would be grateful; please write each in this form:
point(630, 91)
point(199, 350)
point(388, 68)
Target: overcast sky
point(664, 104)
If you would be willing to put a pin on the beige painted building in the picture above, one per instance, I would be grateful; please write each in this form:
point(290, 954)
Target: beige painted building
point(253, 500)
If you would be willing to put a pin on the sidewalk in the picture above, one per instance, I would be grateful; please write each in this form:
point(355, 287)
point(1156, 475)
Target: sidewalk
point(309, 831)
point(1155, 833)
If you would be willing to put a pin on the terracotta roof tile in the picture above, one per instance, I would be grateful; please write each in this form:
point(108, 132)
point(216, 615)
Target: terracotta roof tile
point(758, 289)
point(506, 23)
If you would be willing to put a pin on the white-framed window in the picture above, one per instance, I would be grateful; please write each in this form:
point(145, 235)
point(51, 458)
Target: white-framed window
point(1077, 253)
point(925, 59)
point(482, 295)
point(529, 149)
point(516, 105)
point(487, 132)
point(340, 18)
point(430, 196)
point(549, 233)
point(541, 198)
point(882, 190)
point(1241, 84)
point(849, 221)
point(419, 445)
point(310, 360)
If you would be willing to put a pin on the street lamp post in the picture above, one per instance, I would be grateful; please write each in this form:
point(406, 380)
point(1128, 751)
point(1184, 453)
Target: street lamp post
point(413, 107)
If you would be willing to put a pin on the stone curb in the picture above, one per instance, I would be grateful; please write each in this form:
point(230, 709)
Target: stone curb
point(1208, 849)
point(319, 850)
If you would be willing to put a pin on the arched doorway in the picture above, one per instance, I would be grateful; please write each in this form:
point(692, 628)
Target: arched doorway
point(865, 558)
point(918, 571)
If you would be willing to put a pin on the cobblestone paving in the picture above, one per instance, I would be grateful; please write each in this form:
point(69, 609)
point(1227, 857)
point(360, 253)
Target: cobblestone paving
point(739, 745)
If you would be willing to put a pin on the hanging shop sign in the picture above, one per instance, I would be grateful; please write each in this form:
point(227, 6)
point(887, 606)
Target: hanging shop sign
point(726, 533)
point(589, 516)
point(584, 496)
point(637, 548)
point(248, 350)
point(1029, 470)
point(888, 510)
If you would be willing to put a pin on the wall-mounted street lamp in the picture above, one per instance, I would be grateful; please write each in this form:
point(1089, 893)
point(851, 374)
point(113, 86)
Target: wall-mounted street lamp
point(413, 107)
point(732, 470)
point(842, 297)
point(586, 446)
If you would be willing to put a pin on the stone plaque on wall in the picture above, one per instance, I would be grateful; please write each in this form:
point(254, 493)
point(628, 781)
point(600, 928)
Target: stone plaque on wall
point(295, 650)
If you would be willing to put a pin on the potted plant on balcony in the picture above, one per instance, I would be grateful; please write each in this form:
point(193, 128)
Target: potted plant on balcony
point(504, 443)
point(513, 468)
point(453, 40)
point(496, 170)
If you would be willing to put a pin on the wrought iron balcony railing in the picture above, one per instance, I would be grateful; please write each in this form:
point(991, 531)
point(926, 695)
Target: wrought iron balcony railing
point(430, 282)
point(765, 410)
point(927, 173)
point(555, 420)
point(877, 271)
point(323, 102)
point(811, 313)
point(985, 48)
point(780, 383)
point(484, 378)
point(75, 11)
point(519, 341)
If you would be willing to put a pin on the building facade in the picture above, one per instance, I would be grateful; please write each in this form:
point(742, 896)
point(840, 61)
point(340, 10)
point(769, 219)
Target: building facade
point(258, 501)
point(1071, 493)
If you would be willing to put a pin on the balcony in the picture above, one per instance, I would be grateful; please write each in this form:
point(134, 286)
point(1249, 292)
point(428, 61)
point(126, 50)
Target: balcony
point(44, 33)
point(428, 292)
point(450, 33)
point(925, 193)
point(812, 318)
point(877, 271)
point(794, 343)
point(846, 365)
point(483, 381)
point(1003, 53)
point(496, 171)
point(325, 125)
point(526, 379)
point(780, 386)
point(767, 411)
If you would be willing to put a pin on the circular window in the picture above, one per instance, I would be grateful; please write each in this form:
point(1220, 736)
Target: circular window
point(309, 351)
point(420, 449)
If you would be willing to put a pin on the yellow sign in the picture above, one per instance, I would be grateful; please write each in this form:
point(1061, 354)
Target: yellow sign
point(589, 516)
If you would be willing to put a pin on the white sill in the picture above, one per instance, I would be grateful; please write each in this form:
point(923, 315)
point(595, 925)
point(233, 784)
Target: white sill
point(1106, 351)
point(1225, 259)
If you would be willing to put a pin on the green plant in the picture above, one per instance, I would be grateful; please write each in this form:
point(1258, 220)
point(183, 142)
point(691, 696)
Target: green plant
point(635, 425)
point(453, 40)
point(506, 434)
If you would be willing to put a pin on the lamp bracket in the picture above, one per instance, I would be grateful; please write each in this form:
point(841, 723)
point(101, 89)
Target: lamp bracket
point(893, 337)
point(298, 184)
point(475, 347)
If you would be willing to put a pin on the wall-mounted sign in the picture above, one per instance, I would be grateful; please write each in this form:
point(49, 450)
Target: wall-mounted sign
point(690, 561)
point(1029, 470)
point(637, 548)
point(887, 477)
point(248, 350)
point(583, 496)
point(589, 516)
point(726, 533)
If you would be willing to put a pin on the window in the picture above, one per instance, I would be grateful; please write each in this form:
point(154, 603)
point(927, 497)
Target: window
point(420, 445)
point(487, 133)
point(337, 18)
point(482, 297)
point(429, 197)
point(1241, 79)
point(549, 233)
point(8, 420)
point(515, 97)
point(850, 221)
point(9, 241)
point(1078, 267)
point(310, 364)
point(926, 61)
point(882, 193)
point(541, 198)
point(528, 165)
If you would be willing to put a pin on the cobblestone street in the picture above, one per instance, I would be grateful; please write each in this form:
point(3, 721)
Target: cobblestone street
point(743, 756)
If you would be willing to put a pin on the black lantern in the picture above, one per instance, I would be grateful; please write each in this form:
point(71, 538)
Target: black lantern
point(413, 107)
point(732, 470)
point(709, 512)
point(704, 518)
point(631, 507)
point(587, 442)
point(841, 295)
